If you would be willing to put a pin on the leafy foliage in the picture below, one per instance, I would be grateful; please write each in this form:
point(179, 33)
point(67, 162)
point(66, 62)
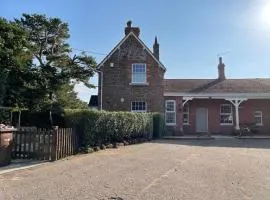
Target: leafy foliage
point(67, 98)
point(158, 125)
point(97, 128)
point(37, 64)
point(48, 43)
point(15, 62)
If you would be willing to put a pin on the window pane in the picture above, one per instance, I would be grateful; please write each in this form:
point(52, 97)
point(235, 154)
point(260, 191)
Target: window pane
point(139, 73)
point(170, 118)
point(226, 116)
point(138, 106)
point(258, 117)
point(185, 119)
point(170, 106)
point(226, 108)
point(186, 108)
point(226, 119)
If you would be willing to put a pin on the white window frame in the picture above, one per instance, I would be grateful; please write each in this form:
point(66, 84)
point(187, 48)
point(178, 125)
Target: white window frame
point(131, 107)
point(174, 111)
point(138, 73)
point(231, 115)
point(185, 113)
point(260, 116)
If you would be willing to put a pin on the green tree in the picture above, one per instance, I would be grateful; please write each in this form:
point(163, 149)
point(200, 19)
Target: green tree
point(54, 66)
point(67, 97)
point(15, 63)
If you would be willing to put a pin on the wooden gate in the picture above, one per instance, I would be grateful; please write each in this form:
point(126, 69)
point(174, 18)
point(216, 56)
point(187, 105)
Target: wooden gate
point(44, 144)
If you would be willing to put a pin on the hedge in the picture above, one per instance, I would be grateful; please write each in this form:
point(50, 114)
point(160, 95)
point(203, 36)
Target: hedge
point(100, 127)
point(96, 128)
point(158, 125)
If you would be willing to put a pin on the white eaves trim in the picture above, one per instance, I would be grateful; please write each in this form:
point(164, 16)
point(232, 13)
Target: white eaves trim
point(218, 95)
point(121, 42)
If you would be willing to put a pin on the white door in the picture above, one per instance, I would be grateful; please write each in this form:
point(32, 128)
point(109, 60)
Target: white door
point(202, 120)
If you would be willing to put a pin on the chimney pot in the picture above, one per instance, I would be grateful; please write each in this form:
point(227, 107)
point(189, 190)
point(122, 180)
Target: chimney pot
point(129, 23)
point(129, 28)
point(220, 60)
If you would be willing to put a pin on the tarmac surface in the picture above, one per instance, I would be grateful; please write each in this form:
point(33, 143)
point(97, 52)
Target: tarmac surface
point(163, 169)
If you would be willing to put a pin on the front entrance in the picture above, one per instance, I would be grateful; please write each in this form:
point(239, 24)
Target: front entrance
point(202, 120)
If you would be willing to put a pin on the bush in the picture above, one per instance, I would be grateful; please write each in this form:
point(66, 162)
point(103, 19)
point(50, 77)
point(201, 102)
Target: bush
point(96, 128)
point(158, 125)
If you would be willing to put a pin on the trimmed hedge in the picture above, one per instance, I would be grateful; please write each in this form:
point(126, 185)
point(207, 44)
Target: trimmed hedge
point(96, 128)
point(100, 127)
point(158, 125)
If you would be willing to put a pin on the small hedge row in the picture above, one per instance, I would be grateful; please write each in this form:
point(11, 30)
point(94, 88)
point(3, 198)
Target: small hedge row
point(96, 128)
point(158, 125)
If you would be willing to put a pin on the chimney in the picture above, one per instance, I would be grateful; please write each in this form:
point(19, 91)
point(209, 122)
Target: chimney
point(156, 49)
point(129, 28)
point(221, 70)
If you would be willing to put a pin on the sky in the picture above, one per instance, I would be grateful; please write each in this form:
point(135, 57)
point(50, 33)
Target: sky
point(192, 33)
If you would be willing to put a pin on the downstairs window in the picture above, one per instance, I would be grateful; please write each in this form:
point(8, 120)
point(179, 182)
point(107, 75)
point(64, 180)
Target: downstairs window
point(138, 106)
point(170, 112)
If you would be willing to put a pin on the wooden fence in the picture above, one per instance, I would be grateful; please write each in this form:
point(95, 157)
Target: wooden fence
point(44, 144)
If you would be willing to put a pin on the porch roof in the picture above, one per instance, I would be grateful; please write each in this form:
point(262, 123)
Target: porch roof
point(211, 86)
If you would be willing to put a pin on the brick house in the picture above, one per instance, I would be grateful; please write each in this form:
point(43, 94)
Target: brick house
point(131, 78)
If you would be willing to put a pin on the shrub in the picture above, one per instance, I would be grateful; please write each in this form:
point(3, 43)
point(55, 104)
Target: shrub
point(97, 128)
point(158, 125)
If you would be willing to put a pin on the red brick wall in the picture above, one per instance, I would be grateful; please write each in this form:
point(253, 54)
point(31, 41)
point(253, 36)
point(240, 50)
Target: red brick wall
point(213, 107)
point(117, 79)
point(247, 109)
point(246, 115)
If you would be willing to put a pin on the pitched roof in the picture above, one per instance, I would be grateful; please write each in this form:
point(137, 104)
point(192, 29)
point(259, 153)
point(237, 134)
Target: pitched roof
point(216, 86)
point(122, 41)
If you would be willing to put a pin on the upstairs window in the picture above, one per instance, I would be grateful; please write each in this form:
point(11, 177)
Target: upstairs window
point(186, 114)
point(258, 118)
point(138, 106)
point(139, 73)
point(226, 114)
point(170, 114)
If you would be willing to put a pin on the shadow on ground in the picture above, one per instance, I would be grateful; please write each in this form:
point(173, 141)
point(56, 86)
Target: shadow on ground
point(232, 142)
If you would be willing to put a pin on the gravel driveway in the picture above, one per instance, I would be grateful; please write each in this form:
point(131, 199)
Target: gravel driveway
point(164, 169)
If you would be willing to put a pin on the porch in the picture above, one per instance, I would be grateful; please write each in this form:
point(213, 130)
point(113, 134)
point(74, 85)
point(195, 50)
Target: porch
point(219, 114)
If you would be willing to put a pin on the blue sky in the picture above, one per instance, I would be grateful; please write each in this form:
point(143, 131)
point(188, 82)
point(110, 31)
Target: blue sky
point(192, 33)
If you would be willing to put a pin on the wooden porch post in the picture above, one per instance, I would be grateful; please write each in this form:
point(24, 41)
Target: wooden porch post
point(184, 101)
point(237, 127)
point(236, 102)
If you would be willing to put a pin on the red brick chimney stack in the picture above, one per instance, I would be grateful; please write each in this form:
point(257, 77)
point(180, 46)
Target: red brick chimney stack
point(129, 28)
point(221, 70)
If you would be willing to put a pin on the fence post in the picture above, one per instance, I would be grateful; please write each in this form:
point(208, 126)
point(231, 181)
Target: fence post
point(54, 143)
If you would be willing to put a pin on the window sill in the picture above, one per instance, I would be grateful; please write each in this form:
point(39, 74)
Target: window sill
point(186, 124)
point(226, 124)
point(139, 84)
point(258, 124)
point(171, 124)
